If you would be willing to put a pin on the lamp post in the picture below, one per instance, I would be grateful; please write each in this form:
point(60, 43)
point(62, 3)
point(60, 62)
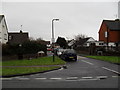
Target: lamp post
point(53, 39)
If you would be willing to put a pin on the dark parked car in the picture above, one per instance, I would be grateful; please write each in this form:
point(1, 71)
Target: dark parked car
point(69, 54)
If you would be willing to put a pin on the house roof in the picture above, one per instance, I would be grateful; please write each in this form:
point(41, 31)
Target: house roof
point(1, 17)
point(71, 42)
point(17, 37)
point(82, 41)
point(113, 24)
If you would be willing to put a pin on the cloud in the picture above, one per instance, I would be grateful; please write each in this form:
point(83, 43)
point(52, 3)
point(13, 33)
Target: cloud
point(82, 17)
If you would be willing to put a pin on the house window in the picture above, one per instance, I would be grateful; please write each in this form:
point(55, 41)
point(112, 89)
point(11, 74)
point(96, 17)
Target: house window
point(100, 43)
point(10, 37)
point(106, 34)
point(5, 36)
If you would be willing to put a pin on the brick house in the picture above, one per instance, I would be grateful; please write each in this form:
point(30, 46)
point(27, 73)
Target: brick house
point(110, 32)
point(17, 37)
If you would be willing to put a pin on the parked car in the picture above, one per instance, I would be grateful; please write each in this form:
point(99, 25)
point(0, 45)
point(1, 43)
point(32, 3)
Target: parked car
point(69, 54)
point(59, 52)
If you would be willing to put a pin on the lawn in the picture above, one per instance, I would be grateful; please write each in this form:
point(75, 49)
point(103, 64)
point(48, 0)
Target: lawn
point(18, 66)
point(24, 70)
point(113, 59)
point(38, 61)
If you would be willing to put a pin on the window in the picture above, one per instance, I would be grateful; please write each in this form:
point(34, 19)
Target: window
point(106, 34)
point(100, 43)
point(5, 36)
point(10, 37)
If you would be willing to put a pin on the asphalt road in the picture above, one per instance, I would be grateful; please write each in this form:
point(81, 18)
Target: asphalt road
point(85, 73)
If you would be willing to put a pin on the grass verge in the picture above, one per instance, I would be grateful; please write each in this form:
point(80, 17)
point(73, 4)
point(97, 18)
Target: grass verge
point(34, 62)
point(112, 59)
point(38, 61)
point(24, 70)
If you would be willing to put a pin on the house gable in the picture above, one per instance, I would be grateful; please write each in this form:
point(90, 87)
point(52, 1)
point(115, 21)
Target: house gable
point(91, 39)
point(17, 38)
point(110, 31)
point(3, 30)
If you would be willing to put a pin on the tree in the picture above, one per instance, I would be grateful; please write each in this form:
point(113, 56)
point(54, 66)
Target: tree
point(41, 41)
point(28, 47)
point(32, 47)
point(31, 39)
point(62, 42)
point(80, 36)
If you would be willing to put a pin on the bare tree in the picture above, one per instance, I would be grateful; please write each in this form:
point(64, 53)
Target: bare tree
point(80, 36)
point(39, 39)
point(31, 39)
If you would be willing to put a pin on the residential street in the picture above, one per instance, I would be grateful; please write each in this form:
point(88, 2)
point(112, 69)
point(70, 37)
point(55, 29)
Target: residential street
point(85, 73)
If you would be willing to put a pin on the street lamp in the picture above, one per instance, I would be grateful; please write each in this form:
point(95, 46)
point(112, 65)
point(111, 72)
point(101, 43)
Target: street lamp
point(53, 39)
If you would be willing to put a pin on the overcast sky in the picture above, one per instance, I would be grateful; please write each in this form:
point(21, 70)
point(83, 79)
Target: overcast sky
point(75, 17)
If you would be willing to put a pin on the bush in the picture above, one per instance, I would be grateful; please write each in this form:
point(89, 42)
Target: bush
point(28, 47)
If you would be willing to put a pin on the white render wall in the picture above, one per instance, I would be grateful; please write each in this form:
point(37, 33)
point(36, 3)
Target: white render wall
point(97, 43)
point(0, 7)
point(3, 32)
point(119, 9)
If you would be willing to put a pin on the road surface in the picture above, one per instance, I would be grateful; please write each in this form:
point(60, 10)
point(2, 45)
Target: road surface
point(85, 73)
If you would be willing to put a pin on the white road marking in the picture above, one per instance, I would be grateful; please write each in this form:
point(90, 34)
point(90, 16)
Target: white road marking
point(110, 70)
point(56, 78)
point(40, 78)
point(102, 77)
point(87, 62)
point(71, 77)
point(87, 77)
point(6, 78)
